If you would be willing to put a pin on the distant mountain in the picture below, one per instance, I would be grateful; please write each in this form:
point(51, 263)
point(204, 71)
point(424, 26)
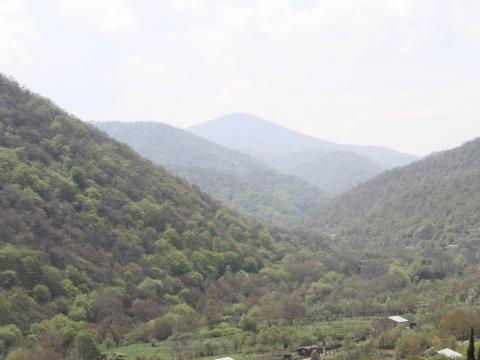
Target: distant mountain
point(249, 133)
point(337, 171)
point(433, 199)
point(236, 179)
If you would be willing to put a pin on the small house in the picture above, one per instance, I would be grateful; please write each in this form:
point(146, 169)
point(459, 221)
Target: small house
point(399, 321)
point(387, 323)
point(450, 354)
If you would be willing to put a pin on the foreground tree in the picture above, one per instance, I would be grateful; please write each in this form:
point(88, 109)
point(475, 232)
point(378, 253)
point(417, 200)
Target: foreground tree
point(471, 346)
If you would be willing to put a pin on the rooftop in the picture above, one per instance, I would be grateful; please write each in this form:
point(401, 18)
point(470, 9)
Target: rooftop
point(450, 353)
point(398, 319)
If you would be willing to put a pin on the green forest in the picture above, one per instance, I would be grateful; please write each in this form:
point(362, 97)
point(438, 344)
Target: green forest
point(237, 180)
point(436, 199)
point(106, 255)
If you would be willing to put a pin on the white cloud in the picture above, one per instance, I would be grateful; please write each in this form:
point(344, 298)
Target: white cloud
point(340, 69)
point(465, 17)
point(17, 31)
point(106, 15)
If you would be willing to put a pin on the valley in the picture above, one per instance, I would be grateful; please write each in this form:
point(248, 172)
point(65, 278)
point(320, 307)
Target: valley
point(107, 255)
point(238, 180)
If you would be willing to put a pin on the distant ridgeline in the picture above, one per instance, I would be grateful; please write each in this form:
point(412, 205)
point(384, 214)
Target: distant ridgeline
point(334, 168)
point(239, 181)
point(257, 167)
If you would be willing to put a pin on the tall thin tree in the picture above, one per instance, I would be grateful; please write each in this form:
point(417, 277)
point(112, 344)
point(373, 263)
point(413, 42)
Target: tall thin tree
point(471, 346)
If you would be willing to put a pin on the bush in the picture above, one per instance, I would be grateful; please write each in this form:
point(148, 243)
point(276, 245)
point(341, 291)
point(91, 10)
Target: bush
point(388, 339)
point(219, 332)
point(77, 313)
point(9, 336)
point(276, 335)
point(210, 348)
point(163, 327)
point(248, 323)
point(8, 279)
point(38, 353)
point(411, 344)
point(41, 293)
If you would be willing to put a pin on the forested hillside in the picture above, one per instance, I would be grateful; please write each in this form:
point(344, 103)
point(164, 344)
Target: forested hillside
point(99, 248)
point(436, 199)
point(238, 180)
point(92, 233)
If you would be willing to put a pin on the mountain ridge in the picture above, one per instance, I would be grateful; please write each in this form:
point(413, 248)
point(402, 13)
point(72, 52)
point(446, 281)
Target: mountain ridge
point(228, 175)
point(263, 135)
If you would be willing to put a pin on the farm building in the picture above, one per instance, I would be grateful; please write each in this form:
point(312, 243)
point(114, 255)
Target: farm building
point(399, 321)
point(450, 353)
point(387, 323)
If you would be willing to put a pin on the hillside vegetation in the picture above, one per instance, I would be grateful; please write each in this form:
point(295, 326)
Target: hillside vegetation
point(236, 179)
point(92, 233)
point(436, 199)
point(101, 250)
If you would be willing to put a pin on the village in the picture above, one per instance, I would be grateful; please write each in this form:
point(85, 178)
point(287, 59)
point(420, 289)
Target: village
point(351, 339)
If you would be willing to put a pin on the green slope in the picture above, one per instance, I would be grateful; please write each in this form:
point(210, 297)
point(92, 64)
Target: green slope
point(90, 230)
point(437, 198)
point(236, 179)
point(99, 245)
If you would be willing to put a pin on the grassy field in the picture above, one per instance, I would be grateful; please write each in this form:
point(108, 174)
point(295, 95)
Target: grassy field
point(131, 351)
point(165, 348)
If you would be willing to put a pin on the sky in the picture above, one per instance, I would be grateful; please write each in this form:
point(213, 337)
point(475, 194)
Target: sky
point(398, 73)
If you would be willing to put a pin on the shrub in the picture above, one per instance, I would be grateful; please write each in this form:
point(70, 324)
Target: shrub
point(210, 348)
point(388, 339)
point(248, 323)
point(218, 332)
point(9, 336)
point(411, 344)
point(41, 293)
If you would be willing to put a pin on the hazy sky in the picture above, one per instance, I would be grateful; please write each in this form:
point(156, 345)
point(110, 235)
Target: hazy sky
point(400, 73)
